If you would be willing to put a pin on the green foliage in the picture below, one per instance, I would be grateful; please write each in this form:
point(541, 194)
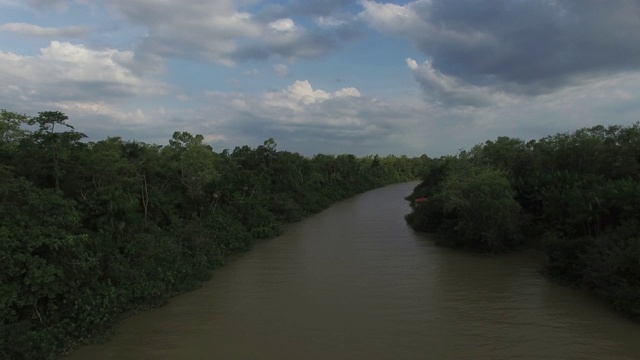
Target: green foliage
point(11, 133)
point(482, 202)
point(608, 264)
point(577, 195)
point(44, 263)
point(471, 204)
point(54, 146)
point(91, 231)
point(195, 162)
point(613, 267)
point(428, 216)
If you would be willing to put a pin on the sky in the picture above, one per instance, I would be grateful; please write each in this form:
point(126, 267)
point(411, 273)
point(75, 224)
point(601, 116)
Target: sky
point(324, 76)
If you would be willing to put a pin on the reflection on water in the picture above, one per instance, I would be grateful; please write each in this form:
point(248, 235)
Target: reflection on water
point(354, 282)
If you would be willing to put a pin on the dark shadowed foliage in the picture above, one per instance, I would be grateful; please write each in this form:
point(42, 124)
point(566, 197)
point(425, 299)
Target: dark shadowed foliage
point(575, 195)
point(90, 231)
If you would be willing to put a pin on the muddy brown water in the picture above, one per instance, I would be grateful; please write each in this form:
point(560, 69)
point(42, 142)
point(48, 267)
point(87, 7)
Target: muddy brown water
point(354, 282)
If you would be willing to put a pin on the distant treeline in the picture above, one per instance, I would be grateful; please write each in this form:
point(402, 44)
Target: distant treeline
point(576, 196)
point(92, 230)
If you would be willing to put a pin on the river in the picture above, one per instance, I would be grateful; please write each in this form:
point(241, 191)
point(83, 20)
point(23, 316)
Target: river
point(355, 282)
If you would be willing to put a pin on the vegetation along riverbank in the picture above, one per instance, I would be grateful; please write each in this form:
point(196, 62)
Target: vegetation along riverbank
point(575, 195)
point(92, 230)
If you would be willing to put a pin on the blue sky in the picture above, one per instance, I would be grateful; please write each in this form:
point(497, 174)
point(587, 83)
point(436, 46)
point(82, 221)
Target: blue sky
point(327, 76)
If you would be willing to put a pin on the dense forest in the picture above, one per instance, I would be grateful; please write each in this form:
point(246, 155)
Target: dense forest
point(90, 231)
point(575, 196)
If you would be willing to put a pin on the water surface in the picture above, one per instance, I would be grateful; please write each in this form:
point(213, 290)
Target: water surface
point(354, 282)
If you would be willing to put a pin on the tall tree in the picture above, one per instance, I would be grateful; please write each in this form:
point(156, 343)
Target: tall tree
point(55, 145)
point(11, 132)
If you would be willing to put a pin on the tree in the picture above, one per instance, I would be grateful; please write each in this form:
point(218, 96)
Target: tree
point(44, 266)
point(483, 199)
point(195, 162)
point(11, 132)
point(55, 145)
point(11, 124)
point(89, 231)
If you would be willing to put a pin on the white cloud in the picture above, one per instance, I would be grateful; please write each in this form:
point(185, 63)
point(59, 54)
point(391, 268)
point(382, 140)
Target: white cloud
point(216, 31)
point(49, 32)
point(390, 17)
point(301, 94)
point(328, 21)
point(408, 21)
point(283, 25)
point(471, 90)
point(347, 92)
point(67, 72)
point(309, 120)
point(189, 29)
point(116, 115)
point(446, 90)
point(281, 69)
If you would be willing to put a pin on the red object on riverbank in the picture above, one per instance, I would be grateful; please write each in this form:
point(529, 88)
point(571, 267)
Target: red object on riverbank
point(421, 200)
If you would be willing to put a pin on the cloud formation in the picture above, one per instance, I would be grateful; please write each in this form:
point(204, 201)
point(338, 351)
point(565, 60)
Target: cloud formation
point(48, 4)
point(389, 76)
point(526, 47)
point(302, 94)
point(310, 120)
point(66, 72)
point(446, 90)
point(46, 32)
point(219, 31)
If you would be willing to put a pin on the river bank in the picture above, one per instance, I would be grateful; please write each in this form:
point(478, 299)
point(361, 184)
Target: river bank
point(355, 282)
